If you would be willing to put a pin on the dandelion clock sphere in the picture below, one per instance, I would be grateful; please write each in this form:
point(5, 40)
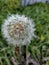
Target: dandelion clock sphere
point(18, 30)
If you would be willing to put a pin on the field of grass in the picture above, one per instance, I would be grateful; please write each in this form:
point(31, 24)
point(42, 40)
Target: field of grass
point(39, 46)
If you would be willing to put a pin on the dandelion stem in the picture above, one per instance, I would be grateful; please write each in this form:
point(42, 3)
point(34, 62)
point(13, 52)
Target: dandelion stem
point(20, 50)
point(26, 54)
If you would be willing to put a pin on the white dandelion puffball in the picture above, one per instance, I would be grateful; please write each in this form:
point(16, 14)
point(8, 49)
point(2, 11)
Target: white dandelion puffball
point(18, 30)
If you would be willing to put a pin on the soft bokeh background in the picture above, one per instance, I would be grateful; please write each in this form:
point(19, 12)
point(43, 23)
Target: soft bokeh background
point(39, 46)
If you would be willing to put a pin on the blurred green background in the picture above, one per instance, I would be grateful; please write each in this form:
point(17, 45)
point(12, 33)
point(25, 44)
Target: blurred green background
point(39, 46)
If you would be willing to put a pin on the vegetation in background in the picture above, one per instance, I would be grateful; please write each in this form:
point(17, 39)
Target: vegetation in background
point(39, 47)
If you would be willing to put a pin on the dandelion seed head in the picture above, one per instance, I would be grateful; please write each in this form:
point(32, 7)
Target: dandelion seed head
point(18, 30)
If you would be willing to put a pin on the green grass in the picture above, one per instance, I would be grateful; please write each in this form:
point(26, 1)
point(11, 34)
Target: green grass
point(40, 14)
point(7, 7)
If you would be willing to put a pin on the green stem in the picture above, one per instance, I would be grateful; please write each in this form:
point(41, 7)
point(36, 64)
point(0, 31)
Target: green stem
point(26, 53)
point(26, 50)
point(20, 55)
point(20, 50)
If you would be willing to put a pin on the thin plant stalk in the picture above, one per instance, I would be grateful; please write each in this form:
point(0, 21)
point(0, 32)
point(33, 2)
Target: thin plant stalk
point(27, 54)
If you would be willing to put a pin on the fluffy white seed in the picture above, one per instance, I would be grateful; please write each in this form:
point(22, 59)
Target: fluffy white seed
point(18, 30)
